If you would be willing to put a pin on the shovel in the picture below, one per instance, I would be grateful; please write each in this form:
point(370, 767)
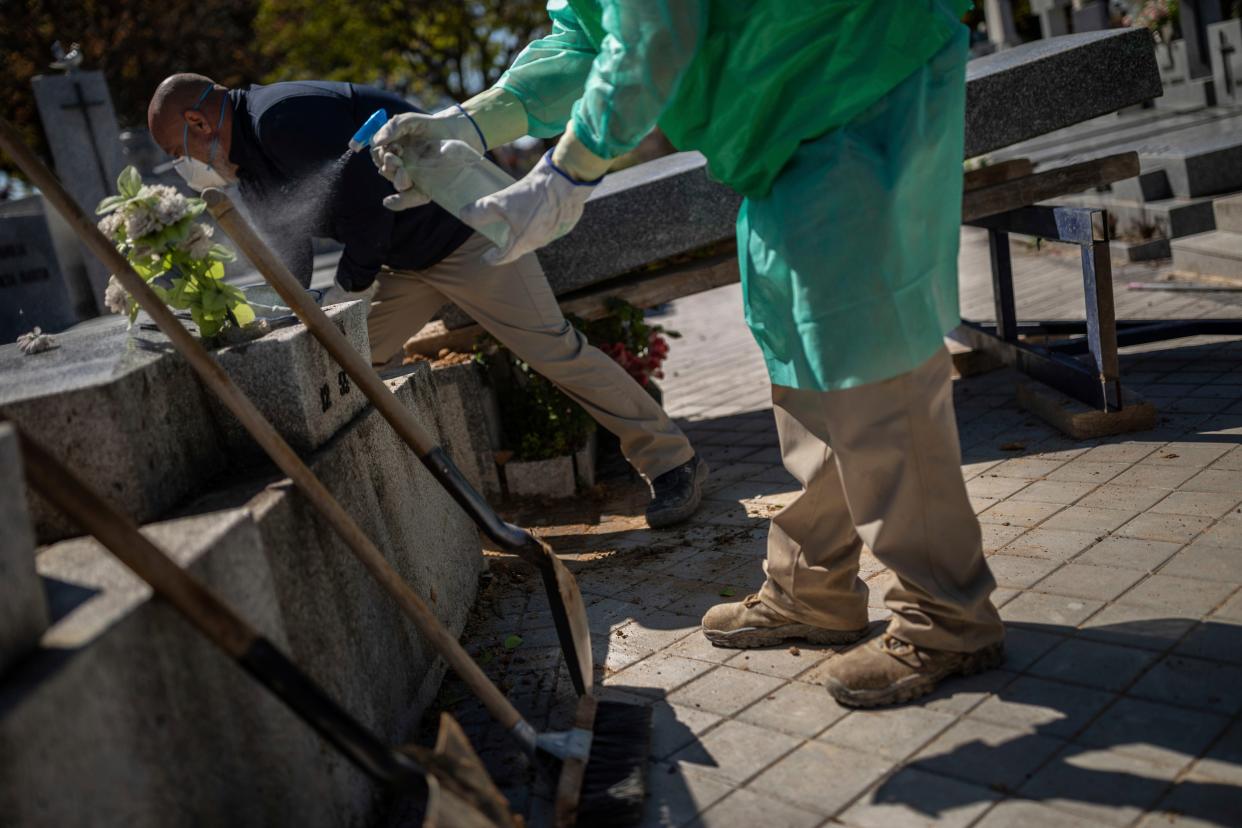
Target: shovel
point(459, 793)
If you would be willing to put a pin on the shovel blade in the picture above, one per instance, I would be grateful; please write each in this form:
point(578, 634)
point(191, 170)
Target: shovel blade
point(569, 615)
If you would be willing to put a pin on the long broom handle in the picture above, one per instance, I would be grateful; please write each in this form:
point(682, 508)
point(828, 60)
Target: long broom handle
point(120, 536)
point(360, 371)
point(261, 430)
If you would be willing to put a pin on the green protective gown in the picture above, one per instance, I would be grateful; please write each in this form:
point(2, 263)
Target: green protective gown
point(840, 121)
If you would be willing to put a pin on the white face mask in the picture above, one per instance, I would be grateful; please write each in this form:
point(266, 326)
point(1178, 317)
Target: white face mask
point(197, 174)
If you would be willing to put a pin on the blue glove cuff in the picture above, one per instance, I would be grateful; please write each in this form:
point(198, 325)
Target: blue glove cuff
point(548, 157)
point(475, 124)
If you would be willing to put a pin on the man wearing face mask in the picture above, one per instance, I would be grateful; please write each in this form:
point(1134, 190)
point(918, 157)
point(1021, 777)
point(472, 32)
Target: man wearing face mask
point(284, 145)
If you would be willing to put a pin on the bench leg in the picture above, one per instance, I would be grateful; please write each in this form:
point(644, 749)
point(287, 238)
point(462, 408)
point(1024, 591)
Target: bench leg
point(1097, 282)
point(1002, 286)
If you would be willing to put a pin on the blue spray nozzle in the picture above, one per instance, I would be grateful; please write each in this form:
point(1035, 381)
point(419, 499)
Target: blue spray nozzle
point(362, 138)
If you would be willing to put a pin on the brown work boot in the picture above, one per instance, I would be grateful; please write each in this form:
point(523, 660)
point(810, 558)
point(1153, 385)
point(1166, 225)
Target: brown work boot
point(887, 670)
point(752, 623)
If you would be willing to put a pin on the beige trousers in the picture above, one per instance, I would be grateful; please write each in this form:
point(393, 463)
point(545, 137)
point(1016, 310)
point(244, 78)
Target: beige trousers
point(880, 464)
point(515, 304)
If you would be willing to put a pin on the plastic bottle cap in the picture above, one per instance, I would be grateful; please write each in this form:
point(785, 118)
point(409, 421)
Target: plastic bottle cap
point(362, 138)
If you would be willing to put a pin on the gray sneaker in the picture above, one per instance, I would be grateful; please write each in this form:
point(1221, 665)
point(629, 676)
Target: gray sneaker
point(676, 494)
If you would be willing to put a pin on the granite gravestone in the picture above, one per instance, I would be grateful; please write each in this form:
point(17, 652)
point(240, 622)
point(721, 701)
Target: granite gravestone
point(23, 605)
point(34, 289)
point(1225, 39)
point(1181, 90)
point(81, 130)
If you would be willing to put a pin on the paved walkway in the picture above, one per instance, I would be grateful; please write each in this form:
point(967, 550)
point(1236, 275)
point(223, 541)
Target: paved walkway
point(1119, 563)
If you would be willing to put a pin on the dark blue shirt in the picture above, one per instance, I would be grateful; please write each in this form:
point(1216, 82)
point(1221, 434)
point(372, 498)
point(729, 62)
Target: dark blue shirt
point(289, 142)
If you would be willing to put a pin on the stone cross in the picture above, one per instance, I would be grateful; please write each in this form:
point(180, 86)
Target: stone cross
point(81, 130)
point(1226, 55)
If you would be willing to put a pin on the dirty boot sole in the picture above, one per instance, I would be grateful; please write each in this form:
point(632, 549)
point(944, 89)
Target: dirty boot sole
point(914, 686)
point(661, 518)
point(747, 637)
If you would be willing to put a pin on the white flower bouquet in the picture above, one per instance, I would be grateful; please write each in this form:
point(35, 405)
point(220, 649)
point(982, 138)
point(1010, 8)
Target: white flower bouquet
point(154, 227)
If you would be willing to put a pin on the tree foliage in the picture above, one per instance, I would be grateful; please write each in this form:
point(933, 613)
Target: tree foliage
point(432, 49)
point(136, 43)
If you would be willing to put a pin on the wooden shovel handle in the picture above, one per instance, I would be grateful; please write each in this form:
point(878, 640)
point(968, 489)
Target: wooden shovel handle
point(215, 378)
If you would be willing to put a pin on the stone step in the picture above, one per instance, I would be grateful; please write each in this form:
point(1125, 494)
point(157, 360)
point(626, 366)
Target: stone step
point(1218, 253)
point(130, 710)
point(1169, 218)
point(23, 605)
point(1228, 212)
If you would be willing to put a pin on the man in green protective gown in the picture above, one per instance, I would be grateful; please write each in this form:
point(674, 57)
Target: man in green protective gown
point(841, 122)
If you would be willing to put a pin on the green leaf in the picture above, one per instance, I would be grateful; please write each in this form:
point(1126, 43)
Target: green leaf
point(215, 271)
point(196, 206)
point(129, 182)
point(728, 592)
point(513, 642)
point(243, 313)
point(220, 253)
point(109, 204)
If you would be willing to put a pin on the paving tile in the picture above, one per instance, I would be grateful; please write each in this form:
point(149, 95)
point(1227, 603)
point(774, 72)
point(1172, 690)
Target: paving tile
point(1017, 571)
point(1204, 504)
point(1192, 682)
point(1214, 480)
point(1207, 561)
point(1216, 640)
point(1057, 612)
point(1186, 454)
point(893, 733)
point(802, 778)
point(1019, 513)
point(673, 727)
point(1231, 461)
point(1106, 787)
point(1124, 452)
point(1135, 498)
point(1023, 646)
point(1022, 813)
point(747, 809)
point(996, 535)
point(1129, 553)
point(658, 675)
point(913, 798)
point(1173, 528)
point(1053, 544)
point(1088, 471)
point(735, 751)
point(1230, 609)
point(1054, 491)
point(1030, 468)
point(1223, 760)
point(1099, 583)
point(1093, 663)
point(697, 646)
point(1226, 533)
point(1088, 519)
point(724, 690)
point(780, 661)
point(998, 757)
point(1179, 596)
point(802, 710)
point(993, 485)
point(676, 794)
point(1050, 708)
point(960, 695)
point(1146, 627)
point(1154, 477)
point(1155, 732)
point(1198, 801)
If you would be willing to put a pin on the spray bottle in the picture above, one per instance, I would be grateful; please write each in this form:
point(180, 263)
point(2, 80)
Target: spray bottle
point(450, 173)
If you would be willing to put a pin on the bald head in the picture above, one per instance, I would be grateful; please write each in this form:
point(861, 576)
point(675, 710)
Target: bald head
point(176, 96)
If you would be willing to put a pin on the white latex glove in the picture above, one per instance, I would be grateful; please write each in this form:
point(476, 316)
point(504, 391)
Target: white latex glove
point(539, 209)
point(394, 145)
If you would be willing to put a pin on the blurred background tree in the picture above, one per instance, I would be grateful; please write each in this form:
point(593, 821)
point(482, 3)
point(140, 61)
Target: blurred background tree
point(433, 50)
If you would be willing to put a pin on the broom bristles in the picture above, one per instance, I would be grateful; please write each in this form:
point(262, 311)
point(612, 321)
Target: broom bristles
point(614, 786)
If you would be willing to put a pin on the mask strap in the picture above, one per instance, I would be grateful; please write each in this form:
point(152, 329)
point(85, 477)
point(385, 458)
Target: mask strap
point(185, 128)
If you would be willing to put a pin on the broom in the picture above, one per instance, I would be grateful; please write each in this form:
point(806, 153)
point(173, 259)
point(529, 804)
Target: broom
point(458, 791)
point(613, 784)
